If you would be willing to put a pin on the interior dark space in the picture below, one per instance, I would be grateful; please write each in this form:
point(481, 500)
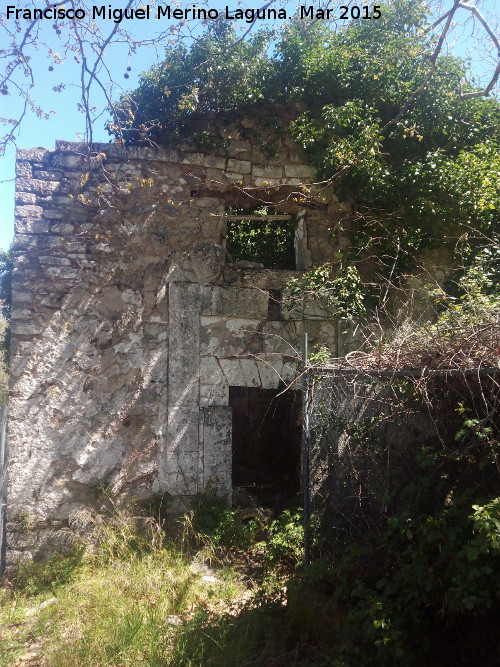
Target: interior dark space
point(267, 431)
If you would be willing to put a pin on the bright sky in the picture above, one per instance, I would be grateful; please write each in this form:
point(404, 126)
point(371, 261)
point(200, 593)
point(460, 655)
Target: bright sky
point(68, 122)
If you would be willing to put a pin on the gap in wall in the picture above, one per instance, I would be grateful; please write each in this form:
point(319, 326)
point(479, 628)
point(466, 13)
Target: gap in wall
point(267, 432)
point(262, 236)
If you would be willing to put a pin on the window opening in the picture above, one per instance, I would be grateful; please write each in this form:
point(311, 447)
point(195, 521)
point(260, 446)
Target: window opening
point(267, 431)
point(261, 236)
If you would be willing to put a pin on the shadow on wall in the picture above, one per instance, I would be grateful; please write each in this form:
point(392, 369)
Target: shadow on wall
point(86, 406)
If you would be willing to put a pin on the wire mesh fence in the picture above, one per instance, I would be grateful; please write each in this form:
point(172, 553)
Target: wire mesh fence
point(372, 435)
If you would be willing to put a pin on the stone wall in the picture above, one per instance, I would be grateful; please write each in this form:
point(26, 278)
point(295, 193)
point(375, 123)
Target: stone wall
point(129, 325)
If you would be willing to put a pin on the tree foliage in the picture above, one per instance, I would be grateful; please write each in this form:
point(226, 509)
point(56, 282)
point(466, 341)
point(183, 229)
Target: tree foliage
point(218, 74)
point(383, 116)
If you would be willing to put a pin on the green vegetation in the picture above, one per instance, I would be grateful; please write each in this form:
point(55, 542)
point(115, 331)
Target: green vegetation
point(418, 167)
point(134, 597)
point(269, 242)
point(411, 525)
point(417, 560)
point(229, 590)
point(338, 291)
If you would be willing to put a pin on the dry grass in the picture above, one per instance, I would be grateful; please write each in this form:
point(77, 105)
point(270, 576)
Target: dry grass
point(129, 602)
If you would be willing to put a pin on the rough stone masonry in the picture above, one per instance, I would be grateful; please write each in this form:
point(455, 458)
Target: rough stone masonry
point(130, 323)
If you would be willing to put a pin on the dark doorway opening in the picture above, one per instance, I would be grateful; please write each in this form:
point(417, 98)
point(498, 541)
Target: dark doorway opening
point(267, 432)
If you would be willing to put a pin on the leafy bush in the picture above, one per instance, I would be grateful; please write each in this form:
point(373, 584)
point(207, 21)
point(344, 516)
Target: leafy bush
point(414, 167)
point(427, 577)
point(218, 75)
point(412, 517)
point(214, 520)
point(338, 290)
point(286, 539)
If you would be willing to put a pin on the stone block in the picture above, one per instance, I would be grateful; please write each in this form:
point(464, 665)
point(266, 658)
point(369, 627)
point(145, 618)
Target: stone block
point(171, 155)
point(25, 198)
point(51, 259)
point(62, 228)
point(69, 161)
point(207, 202)
point(314, 308)
point(193, 158)
point(202, 264)
point(269, 367)
point(327, 334)
point(61, 272)
point(322, 332)
point(21, 297)
point(292, 308)
point(48, 175)
point(241, 166)
point(54, 214)
point(238, 302)
point(226, 337)
point(301, 171)
point(183, 375)
point(30, 225)
point(267, 182)
point(65, 146)
point(280, 338)
point(238, 146)
point(214, 394)
point(22, 540)
point(29, 211)
point(184, 343)
point(267, 171)
point(217, 448)
point(210, 371)
point(32, 154)
point(26, 329)
point(214, 162)
point(232, 372)
point(181, 483)
point(23, 170)
point(37, 186)
point(288, 371)
point(27, 243)
point(21, 314)
point(234, 176)
point(242, 372)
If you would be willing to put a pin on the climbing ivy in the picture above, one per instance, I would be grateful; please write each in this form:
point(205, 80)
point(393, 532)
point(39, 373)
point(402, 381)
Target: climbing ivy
point(417, 168)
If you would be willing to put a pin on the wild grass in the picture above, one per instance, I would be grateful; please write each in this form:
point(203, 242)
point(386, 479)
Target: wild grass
point(124, 602)
point(133, 597)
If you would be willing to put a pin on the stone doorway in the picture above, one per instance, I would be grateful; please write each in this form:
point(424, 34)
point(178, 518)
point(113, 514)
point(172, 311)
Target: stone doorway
point(266, 443)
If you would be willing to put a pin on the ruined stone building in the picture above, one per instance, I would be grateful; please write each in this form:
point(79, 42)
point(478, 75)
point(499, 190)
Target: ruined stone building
point(145, 358)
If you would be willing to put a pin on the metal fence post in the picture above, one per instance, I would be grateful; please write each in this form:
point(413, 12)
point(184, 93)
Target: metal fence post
point(306, 452)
